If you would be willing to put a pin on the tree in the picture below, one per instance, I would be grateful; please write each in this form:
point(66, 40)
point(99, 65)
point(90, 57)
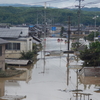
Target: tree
point(91, 55)
point(90, 37)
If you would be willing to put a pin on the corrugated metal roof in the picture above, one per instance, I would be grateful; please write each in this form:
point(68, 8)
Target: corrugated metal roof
point(16, 62)
point(12, 97)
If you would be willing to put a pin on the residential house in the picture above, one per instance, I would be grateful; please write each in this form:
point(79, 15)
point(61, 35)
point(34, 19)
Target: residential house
point(18, 42)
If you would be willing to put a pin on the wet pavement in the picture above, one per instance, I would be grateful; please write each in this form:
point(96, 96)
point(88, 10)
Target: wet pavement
point(50, 79)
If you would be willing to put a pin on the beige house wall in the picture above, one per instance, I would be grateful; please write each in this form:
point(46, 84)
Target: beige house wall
point(2, 58)
point(24, 46)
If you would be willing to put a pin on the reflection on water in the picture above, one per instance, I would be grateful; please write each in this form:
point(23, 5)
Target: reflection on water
point(14, 81)
point(3, 92)
point(88, 82)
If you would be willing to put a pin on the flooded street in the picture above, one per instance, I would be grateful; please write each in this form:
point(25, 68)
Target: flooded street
point(50, 81)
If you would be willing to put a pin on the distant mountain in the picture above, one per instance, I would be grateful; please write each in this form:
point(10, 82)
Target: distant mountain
point(27, 5)
point(20, 5)
point(88, 9)
point(91, 9)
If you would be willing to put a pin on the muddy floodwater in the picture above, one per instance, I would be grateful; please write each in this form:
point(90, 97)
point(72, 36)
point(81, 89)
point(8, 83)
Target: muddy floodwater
point(50, 79)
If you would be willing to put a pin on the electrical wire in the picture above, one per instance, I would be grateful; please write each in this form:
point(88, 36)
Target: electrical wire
point(50, 1)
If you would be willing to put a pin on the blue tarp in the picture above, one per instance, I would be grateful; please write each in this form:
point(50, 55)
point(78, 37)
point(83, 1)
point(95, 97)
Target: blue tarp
point(31, 25)
point(53, 35)
point(53, 28)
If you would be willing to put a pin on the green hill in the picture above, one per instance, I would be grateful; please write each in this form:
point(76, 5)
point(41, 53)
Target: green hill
point(19, 15)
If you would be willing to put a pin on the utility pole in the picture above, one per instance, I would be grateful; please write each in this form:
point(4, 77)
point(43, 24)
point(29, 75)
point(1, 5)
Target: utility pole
point(95, 17)
point(37, 17)
point(79, 30)
point(68, 51)
point(45, 23)
point(79, 14)
point(44, 35)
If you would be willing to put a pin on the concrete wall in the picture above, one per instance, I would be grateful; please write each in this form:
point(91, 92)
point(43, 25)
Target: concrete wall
point(26, 76)
point(92, 71)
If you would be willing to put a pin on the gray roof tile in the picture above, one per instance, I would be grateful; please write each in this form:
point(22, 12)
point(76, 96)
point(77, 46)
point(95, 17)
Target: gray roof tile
point(2, 41)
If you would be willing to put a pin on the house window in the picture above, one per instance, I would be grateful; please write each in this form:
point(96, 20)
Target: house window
point(16, 46)
point(0, 50)
point(9, 46)
point(13, 46)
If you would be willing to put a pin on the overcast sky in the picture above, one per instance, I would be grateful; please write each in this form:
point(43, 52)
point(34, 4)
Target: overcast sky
point(55, 3)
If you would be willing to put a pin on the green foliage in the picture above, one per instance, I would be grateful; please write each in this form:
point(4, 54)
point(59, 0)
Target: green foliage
point(12, 68)
point(75, 46)
point(19, 15)
point(90, 37)
point(91, 55)
point(28, 55)
point(35, 49)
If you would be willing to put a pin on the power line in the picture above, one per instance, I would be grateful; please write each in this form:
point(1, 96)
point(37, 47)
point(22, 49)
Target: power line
point(89, 3)
point(50, 1)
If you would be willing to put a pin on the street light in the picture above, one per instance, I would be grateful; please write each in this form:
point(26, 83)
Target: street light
point(95, 17)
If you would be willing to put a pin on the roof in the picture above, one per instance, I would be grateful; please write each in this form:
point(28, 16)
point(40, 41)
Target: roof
point(12, 97)
point(34, 41)
point(9, 33)
point(16, 62)
point(2, 41)
point(13, 32)
point(35, 38)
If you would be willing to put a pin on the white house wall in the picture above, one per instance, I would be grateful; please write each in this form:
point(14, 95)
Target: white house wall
point(29, 44)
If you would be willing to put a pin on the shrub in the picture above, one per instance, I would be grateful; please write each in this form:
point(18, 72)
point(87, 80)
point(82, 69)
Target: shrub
point(28, 55)
point(75, 46)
